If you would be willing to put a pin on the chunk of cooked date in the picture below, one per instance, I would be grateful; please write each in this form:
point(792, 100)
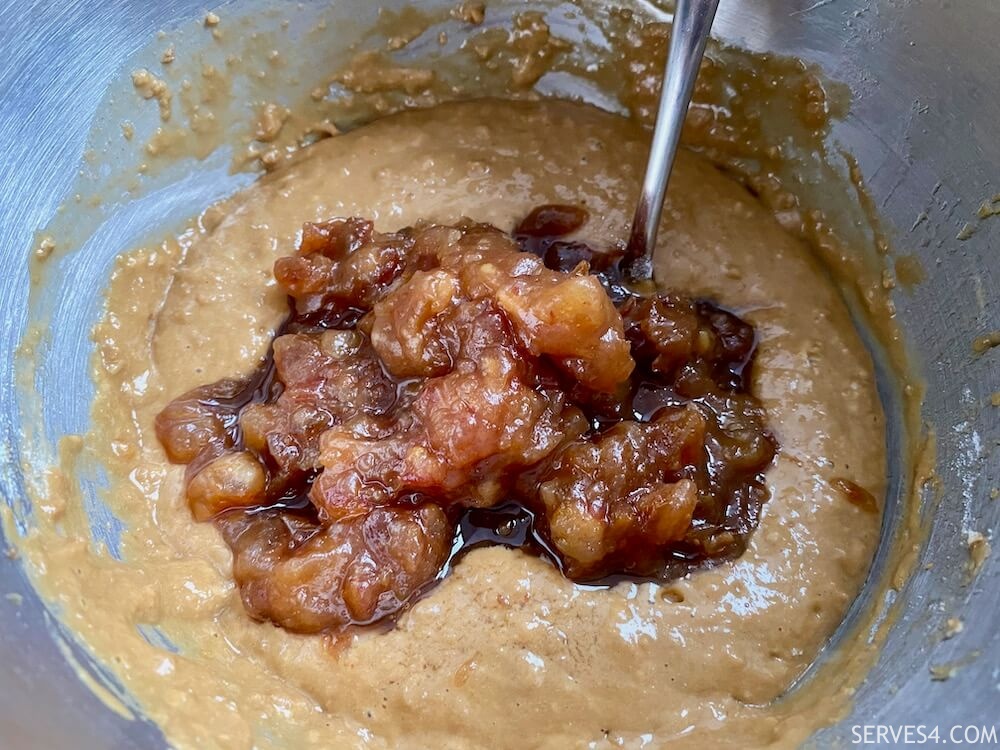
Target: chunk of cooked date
point(341, 264)
point(663, 330)
point(200, 421)
point(415, 345)
point(462, 440)
point(699, 348)
point(567, 317)
point(233, 480)
point(550, 221)
point(309, 578)
point(613, 501)
point(739, 433)
point(733, 339)
point(335, 239)
point(414, 329)
point(740, 449)
point(327, 377)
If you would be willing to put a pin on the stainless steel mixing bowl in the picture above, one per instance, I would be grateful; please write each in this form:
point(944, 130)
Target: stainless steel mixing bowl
point(924, 127)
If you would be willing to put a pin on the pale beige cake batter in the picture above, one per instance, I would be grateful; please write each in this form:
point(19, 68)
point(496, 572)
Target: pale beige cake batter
point(506, 652)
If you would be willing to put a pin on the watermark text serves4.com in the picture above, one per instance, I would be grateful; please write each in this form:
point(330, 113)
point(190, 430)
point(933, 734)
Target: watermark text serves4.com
point(892, 735)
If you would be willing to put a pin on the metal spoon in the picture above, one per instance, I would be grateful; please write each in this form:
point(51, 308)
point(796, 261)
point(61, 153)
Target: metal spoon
point(691, 26)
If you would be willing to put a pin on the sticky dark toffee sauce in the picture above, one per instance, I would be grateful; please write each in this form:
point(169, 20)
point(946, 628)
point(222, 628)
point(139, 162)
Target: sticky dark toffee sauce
point(687, 353)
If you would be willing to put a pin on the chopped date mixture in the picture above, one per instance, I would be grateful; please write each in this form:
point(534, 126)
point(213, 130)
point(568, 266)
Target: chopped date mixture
point(442, 387)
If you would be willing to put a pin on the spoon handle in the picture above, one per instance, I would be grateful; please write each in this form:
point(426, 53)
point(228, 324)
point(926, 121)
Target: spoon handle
point(689, 34)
